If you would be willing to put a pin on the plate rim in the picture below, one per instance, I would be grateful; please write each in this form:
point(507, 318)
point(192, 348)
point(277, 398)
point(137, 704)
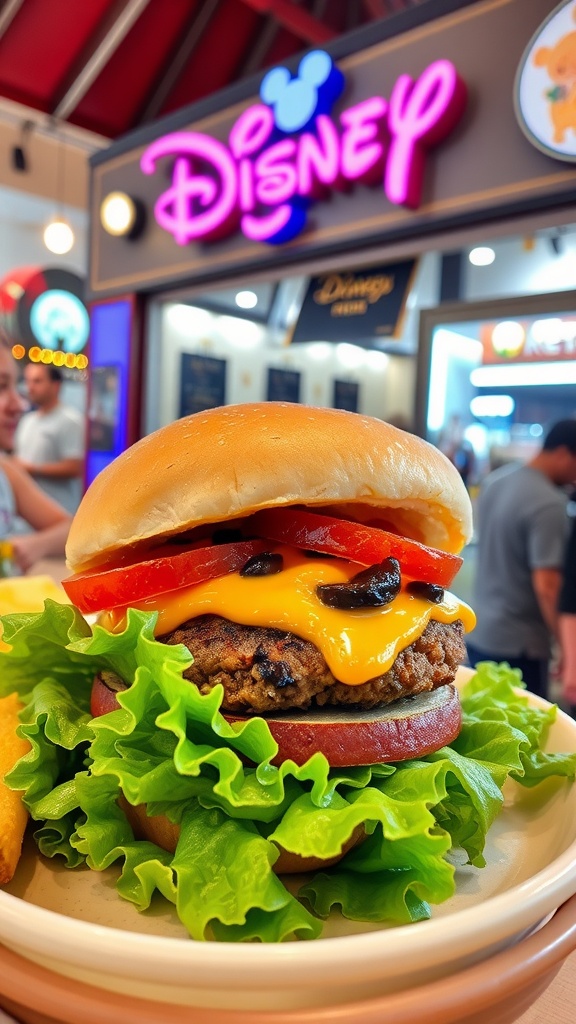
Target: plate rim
point(168, 958)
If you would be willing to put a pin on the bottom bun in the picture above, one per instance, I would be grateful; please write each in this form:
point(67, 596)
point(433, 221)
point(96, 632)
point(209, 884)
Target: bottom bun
point(406, 728)
point(158, 829)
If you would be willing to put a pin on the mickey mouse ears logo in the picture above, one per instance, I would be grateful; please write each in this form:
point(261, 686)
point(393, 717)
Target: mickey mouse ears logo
point(297, 101)
point(545, 88)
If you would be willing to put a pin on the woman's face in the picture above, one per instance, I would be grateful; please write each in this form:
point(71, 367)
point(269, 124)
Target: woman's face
point(12, 405)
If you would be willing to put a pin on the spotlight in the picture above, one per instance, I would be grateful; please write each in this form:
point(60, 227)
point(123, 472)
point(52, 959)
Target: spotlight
point(482, 256)
point(246, 299)
point(121, 215)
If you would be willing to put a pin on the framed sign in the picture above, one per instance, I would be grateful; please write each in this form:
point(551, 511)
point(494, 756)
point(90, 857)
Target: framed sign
point(283, 385)
point(345, 395)
point(202, 383)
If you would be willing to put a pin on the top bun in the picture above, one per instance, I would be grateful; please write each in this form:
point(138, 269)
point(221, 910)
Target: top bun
point(228, 462)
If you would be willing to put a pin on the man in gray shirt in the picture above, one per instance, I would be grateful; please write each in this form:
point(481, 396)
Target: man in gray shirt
point(49, 441)
point(522, 530)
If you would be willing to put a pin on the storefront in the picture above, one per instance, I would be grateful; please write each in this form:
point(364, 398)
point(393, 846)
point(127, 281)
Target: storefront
point(280, 240)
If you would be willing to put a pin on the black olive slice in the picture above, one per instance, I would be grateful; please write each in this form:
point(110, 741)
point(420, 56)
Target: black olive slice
point(265, 564)
point(428, 591)
point(371, 588)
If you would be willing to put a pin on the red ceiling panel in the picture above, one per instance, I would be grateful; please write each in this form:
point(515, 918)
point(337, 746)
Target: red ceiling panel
point(219, 54)
point(41, 45)
point(164, 55)
point(112, 105)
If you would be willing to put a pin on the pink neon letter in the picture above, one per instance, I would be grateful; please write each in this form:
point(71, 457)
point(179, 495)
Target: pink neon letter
point(419, 115)
point(362, 151)
point(250, 132)
point(176, 210)
point(318, 158)
point(276, 176)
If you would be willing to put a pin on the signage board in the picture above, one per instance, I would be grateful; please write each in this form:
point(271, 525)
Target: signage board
point(381, 148)
point(535, 340)
point(355, 305)
point(545, 92)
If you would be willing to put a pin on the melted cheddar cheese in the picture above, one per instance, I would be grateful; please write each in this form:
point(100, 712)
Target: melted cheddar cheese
point(357, 645)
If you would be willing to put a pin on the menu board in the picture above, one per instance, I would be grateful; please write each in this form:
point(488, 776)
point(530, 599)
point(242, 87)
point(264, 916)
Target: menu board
point(345, 395)
point(283, 385)
point(202, 383)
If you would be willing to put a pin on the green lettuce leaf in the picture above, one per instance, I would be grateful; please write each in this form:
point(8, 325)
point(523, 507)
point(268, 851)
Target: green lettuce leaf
point(169, 747)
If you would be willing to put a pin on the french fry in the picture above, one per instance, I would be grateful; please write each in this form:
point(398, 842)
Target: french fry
point(13, 815)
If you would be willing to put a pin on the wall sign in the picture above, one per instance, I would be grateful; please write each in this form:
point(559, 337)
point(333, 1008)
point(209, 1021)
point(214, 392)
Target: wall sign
point(541, 339)
point(545, 90)
point(345, 395)
point(355, 305)
point(287, 151)
point(282, 385)
point(202, 383)
point(248, 168)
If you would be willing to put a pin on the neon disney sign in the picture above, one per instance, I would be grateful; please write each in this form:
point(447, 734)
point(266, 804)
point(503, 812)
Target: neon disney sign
point(287, 151)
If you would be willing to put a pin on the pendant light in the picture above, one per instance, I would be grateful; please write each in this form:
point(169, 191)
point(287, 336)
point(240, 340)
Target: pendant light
point(58, 235)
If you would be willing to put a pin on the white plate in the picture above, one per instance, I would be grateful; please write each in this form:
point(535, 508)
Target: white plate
point(74, 923)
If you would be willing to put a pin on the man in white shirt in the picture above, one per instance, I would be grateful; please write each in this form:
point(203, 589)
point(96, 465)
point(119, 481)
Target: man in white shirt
point(50, 441)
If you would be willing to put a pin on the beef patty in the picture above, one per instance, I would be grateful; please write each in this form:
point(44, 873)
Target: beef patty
point(264, 670)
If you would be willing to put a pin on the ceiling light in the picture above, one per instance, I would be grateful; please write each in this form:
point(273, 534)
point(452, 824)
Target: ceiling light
point(246, 299)
point(350, 356)
point(318, 351)
point(119, 214)
point(482, 256)
point(58, 236)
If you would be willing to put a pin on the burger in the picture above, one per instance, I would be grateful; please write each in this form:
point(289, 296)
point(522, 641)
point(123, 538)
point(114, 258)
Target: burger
point(255, 678)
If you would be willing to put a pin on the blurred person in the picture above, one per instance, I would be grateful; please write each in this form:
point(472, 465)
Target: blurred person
point(522, 529)
point(19, 495)
point(567, 612)
point(50, 440)
point(458, 449)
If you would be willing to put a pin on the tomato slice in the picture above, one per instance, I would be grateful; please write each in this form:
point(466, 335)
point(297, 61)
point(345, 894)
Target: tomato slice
point(364, 544)
point(98, 590)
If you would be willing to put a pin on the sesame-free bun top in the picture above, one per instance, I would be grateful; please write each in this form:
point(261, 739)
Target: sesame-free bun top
point(225, 463)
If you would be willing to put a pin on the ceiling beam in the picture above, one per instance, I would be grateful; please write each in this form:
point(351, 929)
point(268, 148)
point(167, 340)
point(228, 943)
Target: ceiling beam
point(300, 22)
point(176, 62)
point(257, 57)
point(99, 57)
point(8, 13)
